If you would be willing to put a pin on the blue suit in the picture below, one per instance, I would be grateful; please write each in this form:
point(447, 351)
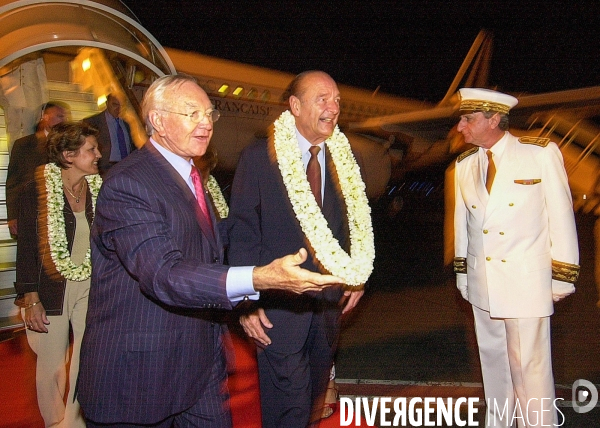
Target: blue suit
point(98, 121)
point(151, 340)
point(263, 227)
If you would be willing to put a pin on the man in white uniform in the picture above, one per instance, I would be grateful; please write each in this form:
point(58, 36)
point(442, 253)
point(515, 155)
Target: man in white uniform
point(516, 253)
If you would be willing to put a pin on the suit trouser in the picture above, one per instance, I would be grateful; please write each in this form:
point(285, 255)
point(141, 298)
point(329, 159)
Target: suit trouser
point(211, 410)
point(52, 351)
point(293, 385)
point(516, 365)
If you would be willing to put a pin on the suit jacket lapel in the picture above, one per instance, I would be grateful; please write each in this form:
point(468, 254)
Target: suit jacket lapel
point(334, 209)
point(177, 182)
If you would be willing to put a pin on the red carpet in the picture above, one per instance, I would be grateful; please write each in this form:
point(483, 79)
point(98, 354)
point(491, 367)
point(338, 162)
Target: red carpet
point(18, 404)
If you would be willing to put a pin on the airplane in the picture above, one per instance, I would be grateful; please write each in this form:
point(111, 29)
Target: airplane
point(79, 51)
point(566, 117)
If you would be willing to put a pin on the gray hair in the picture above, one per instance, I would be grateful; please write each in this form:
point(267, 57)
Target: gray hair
point(155, 95)
point(503, 124)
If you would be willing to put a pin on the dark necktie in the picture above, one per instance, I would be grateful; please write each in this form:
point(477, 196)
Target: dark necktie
point(197, 182)
point(121, 140)
point(313, 173)
point(491, 171)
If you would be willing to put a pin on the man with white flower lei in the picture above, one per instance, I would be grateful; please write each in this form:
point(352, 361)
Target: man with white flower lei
point(272, 211)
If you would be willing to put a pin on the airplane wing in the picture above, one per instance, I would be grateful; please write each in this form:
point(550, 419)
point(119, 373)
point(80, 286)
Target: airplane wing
point(434, 123)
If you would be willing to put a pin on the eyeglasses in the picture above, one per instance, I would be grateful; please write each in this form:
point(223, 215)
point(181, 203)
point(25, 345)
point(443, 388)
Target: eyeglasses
point(196, 116)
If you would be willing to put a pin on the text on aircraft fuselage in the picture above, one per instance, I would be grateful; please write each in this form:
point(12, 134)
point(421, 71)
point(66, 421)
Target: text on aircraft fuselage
point(241, 107)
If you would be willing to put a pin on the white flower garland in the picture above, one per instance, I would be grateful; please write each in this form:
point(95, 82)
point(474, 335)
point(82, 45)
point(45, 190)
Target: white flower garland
point(354, 269)
point(57, 237)
point(217, 197)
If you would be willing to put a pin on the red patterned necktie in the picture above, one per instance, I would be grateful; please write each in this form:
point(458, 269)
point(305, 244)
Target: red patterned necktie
point(197, 182)
point(313, 173)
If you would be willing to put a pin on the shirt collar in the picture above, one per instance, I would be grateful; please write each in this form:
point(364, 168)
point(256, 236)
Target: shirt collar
point(108, 115)
point(182, 166)
point(498, 148)
point(305, 145)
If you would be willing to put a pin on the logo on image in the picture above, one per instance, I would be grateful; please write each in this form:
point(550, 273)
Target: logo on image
point(584, 392)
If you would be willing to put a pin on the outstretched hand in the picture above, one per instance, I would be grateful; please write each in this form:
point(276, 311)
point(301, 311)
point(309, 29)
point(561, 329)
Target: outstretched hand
point(286, 274)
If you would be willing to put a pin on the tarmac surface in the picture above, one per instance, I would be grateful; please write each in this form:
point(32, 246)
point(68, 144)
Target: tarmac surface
point(412, 333)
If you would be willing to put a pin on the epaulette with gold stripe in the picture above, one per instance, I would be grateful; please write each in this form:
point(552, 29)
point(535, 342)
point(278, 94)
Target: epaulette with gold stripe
point(466, 154)
point(566, 272)
point(537, 141)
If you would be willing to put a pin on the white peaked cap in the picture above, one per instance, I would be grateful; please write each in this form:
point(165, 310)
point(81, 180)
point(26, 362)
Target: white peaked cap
point(479, 99)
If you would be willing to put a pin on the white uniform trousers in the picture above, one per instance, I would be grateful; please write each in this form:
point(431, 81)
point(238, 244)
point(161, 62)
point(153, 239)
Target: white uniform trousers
point(516, 364)
point(52, 351)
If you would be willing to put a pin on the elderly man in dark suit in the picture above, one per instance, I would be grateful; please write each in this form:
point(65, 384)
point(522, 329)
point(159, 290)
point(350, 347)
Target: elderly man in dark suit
point(287, 195)
point(152, 354)
point(115, 134)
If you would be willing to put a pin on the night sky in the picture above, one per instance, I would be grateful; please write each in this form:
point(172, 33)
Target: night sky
point(408, 48)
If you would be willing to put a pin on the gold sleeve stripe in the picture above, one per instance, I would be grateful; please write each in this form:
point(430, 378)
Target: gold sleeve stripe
point(565, 272)
point(460, 265)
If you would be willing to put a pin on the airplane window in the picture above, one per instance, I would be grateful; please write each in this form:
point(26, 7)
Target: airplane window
point(224, 90)
point(238, 91)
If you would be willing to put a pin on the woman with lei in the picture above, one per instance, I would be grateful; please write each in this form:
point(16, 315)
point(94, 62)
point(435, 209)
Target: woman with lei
point(54, 264)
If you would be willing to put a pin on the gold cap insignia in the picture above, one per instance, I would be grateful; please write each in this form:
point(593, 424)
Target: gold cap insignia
point(479, 99)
